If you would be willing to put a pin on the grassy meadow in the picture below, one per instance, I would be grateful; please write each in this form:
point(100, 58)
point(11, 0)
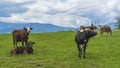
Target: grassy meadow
point(59, 50)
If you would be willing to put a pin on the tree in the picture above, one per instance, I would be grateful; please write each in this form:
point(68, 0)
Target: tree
point(118, 23)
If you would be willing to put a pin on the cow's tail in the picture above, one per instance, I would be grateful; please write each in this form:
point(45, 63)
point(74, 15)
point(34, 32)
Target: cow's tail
point(13, 39)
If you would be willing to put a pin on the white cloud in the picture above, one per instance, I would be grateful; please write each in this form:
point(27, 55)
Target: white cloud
point(16, 1)
point(67, 13)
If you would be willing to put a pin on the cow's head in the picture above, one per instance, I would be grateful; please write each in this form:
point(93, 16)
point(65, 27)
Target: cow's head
point(95, 27)
point(30, 44)
point(28, 29)
point(90, 33)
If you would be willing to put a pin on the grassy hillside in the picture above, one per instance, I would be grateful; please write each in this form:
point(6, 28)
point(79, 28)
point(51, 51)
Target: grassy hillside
point(59, 50)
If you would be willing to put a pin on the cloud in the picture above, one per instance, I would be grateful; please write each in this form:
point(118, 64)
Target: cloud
point(15, 1)
point(66, 13)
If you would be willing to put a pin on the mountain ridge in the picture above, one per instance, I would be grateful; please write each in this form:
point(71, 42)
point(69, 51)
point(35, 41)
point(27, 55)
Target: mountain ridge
point(37, 27)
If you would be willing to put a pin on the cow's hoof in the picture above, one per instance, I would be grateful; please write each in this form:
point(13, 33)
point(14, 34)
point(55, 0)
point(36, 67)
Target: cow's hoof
point(79, 56)
point(84, 57)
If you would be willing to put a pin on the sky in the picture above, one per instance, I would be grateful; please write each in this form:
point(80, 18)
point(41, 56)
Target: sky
point(65, 13)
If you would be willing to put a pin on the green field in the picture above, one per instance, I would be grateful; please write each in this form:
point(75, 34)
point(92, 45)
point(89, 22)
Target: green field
point(59, 50)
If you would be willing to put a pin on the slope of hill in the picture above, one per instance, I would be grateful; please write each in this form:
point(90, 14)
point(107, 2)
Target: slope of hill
point(59, 50)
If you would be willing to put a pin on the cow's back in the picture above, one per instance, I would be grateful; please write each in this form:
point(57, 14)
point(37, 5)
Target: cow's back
point(108, 28)
point(79, 37)
point(18, 35)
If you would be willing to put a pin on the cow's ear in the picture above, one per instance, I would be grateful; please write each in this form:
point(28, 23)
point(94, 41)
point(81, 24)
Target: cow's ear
point(24, 28)
point(31, 28)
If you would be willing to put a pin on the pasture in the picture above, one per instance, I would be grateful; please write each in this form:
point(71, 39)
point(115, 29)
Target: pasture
point(59, 50)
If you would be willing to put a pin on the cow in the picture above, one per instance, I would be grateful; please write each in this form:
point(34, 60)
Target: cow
point(81, 38)
point(23, 49)
point(21, 36)
point(92, 27)
point(105, 28)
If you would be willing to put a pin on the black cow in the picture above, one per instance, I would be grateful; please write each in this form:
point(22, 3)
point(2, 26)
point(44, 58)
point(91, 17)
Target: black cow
point(81, 38)
point(23, 49)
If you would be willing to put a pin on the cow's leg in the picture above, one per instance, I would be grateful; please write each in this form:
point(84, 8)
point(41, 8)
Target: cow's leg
point(26, 42)
point(79, 50)
point(110, 32)
point(22, 43)
point(14, 51)
point(101, 32)
point(81, 46)
point(15, 43)
point(107, 32)
point(84, 49)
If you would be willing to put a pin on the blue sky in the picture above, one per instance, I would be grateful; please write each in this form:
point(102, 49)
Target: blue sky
point(66, 13)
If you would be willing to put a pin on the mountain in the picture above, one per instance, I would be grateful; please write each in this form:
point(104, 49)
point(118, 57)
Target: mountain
point(37, 27)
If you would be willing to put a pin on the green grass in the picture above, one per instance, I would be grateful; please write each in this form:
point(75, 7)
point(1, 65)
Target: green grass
point(59, 50)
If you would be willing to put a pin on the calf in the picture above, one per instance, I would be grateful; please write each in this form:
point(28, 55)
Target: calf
point(23, 49)
point(81, 38)
point(21, 36)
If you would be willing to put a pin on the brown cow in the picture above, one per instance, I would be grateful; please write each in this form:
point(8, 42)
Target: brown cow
point(92, 27)
point(21, 36)
point(105, 28)
point(23, 49)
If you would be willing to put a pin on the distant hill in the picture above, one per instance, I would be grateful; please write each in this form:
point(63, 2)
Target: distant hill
point(37, 27)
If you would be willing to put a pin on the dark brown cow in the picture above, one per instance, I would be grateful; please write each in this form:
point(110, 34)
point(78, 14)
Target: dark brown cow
point(23, 49)
point(21, 36)
point(105, 28)
point(92, 27)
